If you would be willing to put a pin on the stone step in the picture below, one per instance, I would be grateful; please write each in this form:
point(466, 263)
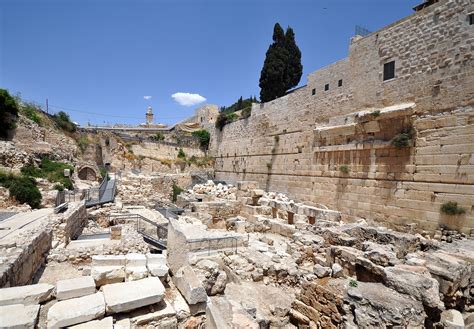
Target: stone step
point(121, 297)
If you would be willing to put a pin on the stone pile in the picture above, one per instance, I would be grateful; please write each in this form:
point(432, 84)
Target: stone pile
point(219, 190)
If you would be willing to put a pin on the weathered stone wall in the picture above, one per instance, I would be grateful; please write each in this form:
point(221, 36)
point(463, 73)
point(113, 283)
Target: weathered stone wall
point(164, 151)
point(23, 260)
point(297, 144)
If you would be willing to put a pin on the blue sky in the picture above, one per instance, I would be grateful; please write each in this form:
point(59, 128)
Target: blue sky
point(104, 56)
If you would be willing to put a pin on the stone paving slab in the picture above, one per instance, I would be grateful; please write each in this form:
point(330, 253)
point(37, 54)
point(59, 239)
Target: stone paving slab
point(189, 285)
point(76, 310)
point(27, 295)
point(19, 316)
point(121, 297)
point(73, 288)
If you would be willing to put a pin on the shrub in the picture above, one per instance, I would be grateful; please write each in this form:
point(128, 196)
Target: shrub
point(64, 122)
point(8, 110)
point(246, 112)
point(30, 110)
point(403, 138)
point(158, 137)
point(51, 170)
point(204, 137)
point(225, 118)
point(375, 113)
point(176, 191)
point(277, 138)
point(22, 188)
point(344, 169)
point(102, 172)
point(353, 283)
point(181, 154)
point(58, 187)
point(269, 165)
point(83, 143)
point(452, 208)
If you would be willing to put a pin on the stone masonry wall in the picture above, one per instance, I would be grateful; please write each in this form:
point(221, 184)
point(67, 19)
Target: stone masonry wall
point(297, 144)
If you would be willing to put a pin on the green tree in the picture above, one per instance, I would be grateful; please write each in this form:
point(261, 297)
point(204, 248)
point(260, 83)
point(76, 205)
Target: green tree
point(294, 69)
point(273, 75)
point(8, 111)
point(282, 67)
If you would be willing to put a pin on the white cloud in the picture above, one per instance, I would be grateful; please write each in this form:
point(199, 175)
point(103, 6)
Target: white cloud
point(187, 99)
point(147, 97)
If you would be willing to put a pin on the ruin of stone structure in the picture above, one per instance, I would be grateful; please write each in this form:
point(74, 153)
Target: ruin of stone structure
point(306, 214)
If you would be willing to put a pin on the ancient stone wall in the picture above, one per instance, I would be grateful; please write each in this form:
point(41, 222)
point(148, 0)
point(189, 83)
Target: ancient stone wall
point(68, 225)
point(334, 146)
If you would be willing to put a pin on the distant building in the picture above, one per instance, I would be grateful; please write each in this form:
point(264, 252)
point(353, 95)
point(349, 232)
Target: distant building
point(149, 116)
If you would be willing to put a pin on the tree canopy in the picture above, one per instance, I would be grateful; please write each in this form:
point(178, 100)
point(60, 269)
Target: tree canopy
point(8, 110)
point(282, 67)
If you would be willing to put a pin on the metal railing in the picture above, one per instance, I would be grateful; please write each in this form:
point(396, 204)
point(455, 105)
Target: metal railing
point(153, 233)
point(170, 212)
point(69, 196)
point(215, 243)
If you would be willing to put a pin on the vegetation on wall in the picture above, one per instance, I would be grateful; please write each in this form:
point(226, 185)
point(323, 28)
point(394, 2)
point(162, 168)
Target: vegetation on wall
point(83, 143)
point(31, 111)
point(225, 118)
point(181, 154)
point(240, 104)
point(452, 208)
point(63, 121)
point(8, 111)
point(22, 188)
point(344, 169)
point(204, 137)
point(158, 137)
point(51, 170)
point(282, 68)
point(404, 138)
point(176, 191)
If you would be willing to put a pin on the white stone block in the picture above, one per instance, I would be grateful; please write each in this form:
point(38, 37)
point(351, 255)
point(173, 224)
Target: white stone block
point(76, 310)
point(135, 273)
point(135, 260)
point(156, 264)
point(123, 324)
point(108, 260)
point(108, 274)
point(19, 316)
point(105, 323)
point(189, 285)
point(166, 312)
point(126, 296)
point(73, 288)
point(26, 295)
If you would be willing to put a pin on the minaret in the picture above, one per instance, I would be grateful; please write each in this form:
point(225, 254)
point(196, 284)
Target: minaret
point(149, 116)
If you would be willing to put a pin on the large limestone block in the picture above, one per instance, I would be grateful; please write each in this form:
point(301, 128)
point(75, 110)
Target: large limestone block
point(105, 323)
point(108, 274)
point(189, 285)
point(26, 295)
point(126, 296)
point(108, 260)
point(18, 316)
point(76, 310)
point(135, 260)
point(73, 288)
point(156, 264)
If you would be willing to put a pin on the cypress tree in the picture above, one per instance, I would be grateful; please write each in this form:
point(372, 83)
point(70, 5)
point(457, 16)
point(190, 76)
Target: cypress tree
point(282, 68)
point(294, 69)
point(273, 74)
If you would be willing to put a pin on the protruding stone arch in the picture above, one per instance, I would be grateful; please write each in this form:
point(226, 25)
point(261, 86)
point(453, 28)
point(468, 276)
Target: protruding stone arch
point(87, 171)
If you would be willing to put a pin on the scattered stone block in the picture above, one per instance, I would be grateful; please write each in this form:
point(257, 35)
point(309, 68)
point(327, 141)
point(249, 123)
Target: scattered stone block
point(76, 310)
point(167, 311)
point(26, 295)
point(135, 268)
point(77, 287)
point(156, 264)
point(336, 270)
point(105, 323)
point(108, 274)
point(116, 232)
point(126, 296)
point(19, 316)
point(321, 271)
point(189, 285)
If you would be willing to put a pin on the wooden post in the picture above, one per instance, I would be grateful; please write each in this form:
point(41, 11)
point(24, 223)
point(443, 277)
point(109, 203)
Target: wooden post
point(291, 218)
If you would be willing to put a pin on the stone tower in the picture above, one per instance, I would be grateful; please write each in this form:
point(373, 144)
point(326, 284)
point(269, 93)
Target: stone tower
point(149, 116)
